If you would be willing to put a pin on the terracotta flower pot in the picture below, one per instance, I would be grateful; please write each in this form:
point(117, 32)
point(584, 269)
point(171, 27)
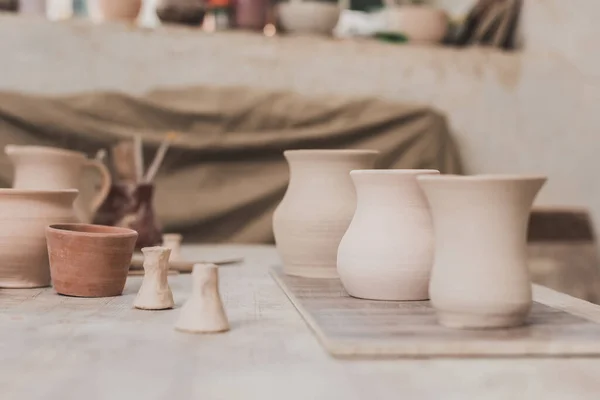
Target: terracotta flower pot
point(421, 23)
point(24, 216)
point(387, 251)
point(89, 260)
point(124, 10)
point(480, 277)
point(317, 209)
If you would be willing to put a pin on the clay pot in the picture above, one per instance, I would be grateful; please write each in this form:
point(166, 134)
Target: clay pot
point(24, 216)
point(89, 260)
point(33, 7)
point(49, 168)
point(186, 12)
point(317, 208)
point(313, 17)
point(120, 10)
point(421, 23)
point(387, 251)
point(251, 14)
point(480, 277)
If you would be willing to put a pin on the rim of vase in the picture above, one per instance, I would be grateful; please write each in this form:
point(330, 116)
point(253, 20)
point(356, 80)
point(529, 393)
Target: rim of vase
point(91, 230)
point(37, 150)
point(329, 151)
point(394, 172)
point(483, 178)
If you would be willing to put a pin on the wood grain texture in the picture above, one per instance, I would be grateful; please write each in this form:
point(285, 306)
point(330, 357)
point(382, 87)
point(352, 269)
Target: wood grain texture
point(61, 348)
point(559, 325)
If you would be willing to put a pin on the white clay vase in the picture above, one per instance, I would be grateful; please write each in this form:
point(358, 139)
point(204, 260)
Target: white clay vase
point(49, 168)
point(480, 277)
point(387, 251)
point(317, 208)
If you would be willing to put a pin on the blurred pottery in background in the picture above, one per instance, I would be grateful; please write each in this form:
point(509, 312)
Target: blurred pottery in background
point(186, 12)
point(480, 277)
point(317, 208)
point(24, 216)
point(49, 168)
point(387, 251)
point(421, 23)
point(251, 14)
point(9, 5)
point(120, 10)
point(130, 205)
point(32, 7)
point(308, 17)
point(89, 260)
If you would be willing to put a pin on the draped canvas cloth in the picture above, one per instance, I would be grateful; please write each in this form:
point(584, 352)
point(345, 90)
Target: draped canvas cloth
point(224, 176)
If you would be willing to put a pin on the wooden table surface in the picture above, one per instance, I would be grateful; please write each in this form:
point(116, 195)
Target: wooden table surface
point(60, 348)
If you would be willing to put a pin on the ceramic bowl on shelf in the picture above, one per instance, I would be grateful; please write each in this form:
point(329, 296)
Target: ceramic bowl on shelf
point(89, 260)
point(420, 23)
point(24, 215)
point(120, 10)
point(308, 17)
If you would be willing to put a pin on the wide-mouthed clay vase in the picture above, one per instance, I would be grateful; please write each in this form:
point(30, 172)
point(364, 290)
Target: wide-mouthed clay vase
point(387, 251)
point(49, 168)
point(317, 208)
point(24, 216)
point(120, 10)
point(480, 277)
point(89, 260)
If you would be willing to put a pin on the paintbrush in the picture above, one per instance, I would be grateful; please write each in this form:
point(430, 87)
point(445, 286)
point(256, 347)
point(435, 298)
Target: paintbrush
point(123, 160)
point(138, 158)
point(160, 156)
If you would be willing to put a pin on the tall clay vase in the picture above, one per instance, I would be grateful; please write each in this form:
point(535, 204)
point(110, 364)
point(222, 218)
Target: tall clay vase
point(480, 277)
point(24, 216)
point(317, 208)
point(387, 251)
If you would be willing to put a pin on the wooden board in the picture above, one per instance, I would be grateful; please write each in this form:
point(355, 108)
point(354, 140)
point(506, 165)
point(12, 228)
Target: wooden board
point(559, 325)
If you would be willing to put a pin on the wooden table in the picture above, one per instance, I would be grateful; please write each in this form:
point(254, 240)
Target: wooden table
point(60, 348)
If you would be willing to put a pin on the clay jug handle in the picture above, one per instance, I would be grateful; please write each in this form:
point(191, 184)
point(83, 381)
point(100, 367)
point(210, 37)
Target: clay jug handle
point(104, 187)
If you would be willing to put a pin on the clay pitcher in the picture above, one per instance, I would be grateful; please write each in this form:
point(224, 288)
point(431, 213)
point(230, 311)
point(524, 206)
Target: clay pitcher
point(49, 168)
point(387, 251)
point(480, 277)
point(317, 208)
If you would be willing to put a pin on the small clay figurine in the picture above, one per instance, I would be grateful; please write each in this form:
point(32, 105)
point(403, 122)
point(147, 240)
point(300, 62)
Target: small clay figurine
point(203, 312)
point(173, 241)
point(155, 293)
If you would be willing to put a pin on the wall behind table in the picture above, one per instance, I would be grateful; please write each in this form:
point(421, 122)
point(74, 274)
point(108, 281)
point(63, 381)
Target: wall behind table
point(510, 112)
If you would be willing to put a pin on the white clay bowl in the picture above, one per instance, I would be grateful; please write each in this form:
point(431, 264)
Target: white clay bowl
point(422, 24)
point(308, 17)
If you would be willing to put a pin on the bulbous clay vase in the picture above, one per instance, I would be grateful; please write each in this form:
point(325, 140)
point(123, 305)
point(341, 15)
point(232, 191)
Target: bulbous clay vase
point(387, 251)
point(49, 168)
point(480, 277)
point(422, 24)
point(317, 208)
point(120, 10)
point(89, 260)
point(24, 216)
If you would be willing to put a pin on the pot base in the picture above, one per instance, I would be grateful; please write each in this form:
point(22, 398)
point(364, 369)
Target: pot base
point(23, 285)
point(478, 321)
point(312, 272)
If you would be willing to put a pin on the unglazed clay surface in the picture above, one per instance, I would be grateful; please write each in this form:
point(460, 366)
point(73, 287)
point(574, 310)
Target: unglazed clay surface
point(49, 168)
point(89, 260)
point(126, 10)
point(172, 241)
point(480, 277)
point(24, 216)
point(387, 251)
point(155, 293)
point(317, 208)
point(204, 312)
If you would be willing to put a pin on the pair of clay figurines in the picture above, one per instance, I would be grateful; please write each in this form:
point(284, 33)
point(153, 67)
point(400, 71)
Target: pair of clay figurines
point(403, 235)
point(202, 313)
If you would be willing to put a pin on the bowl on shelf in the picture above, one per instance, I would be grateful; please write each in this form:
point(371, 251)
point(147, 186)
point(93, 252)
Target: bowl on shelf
point(422, 24)
point(89, 260)
point(308, 17)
